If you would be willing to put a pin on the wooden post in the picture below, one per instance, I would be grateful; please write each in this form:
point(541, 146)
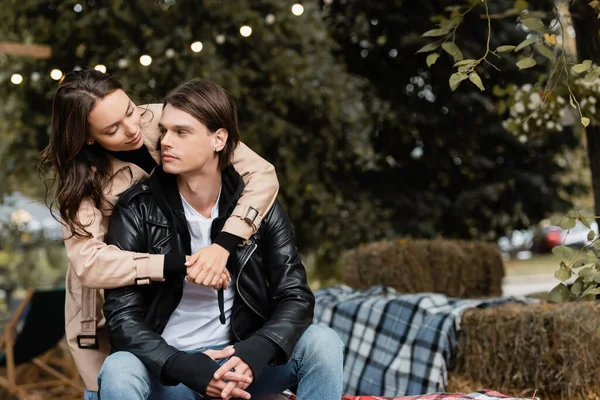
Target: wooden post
point(26, 50)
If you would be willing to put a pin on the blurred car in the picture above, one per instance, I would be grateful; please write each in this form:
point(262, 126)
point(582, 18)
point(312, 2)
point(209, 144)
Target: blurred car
point(522, 244)
point(28, 215)
point(519, 244)
point(551, 236)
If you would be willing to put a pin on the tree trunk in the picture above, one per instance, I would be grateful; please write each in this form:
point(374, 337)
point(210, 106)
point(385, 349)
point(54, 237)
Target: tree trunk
point(587, 27)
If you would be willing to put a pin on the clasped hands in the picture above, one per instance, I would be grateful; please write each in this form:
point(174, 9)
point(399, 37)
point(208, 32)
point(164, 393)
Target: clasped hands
point(207, 267)
point(232, 378)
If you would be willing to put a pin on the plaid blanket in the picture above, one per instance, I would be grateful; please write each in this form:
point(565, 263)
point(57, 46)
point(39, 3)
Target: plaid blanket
point(396, 345)
point(482, 395)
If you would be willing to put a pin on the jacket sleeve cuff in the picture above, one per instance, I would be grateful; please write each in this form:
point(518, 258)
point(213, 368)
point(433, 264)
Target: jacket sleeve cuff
point(228, 241)
point(257, 352)
point(193, 370)
point(174, 264)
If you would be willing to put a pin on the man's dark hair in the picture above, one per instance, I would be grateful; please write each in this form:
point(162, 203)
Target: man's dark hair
point(210, 104)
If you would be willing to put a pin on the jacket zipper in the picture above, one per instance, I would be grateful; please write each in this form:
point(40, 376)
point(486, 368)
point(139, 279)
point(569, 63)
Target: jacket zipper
point(237, 285)
point(237, 281)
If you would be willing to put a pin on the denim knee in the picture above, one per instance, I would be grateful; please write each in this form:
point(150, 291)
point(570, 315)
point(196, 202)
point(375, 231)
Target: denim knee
point(123, 376)
point(321, 341)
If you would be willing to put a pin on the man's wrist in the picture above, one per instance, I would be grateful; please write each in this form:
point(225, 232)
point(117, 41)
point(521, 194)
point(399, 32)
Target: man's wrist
point(257, 352)
point(194, 370)
point(174, 264)
point(228, 241)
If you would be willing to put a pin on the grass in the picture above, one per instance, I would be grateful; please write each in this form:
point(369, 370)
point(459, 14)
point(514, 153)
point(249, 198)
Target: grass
point(539, 264)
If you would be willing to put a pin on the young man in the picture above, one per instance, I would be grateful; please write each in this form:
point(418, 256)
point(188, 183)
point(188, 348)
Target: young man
point(174, 339)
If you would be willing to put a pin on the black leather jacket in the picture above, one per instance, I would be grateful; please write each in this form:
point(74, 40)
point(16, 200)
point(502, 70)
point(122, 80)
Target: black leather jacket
point(272, 299)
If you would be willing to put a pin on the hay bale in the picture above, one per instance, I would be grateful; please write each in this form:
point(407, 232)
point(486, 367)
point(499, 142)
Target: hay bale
point(549, 349)
point(487, 277)
point(453, 267)
point(450, 263)
point(365, 266)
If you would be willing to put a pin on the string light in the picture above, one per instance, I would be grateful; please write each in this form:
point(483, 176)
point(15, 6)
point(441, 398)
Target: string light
point(197, 47)
point(145, 60)
point(270, 19)
point(16, 79)
point(297, 9)
point(245, 31)
point(56, 74)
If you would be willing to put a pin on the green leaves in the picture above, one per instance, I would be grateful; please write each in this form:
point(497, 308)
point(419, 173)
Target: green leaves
point(535, 24)
point(463, 63)
point(428, 47)
point(591, 77)
point(505, 48)
point(584, 221)
point(453, 50)
point(587, 273)
point(559, 294)
point(563, 252)
point(432, 58)
point(436, 32)
point(568, 223)
point(577, 287)
point(449, 24)
point(465, 67)
point(525, 43)
point(591, 290)
point(584, 66)
point(526, 63)
point(584, 263)
point(473, 77)
point(543, 50)
point(456, 78)
point(449, 47)
point(563, 273)
point(591, 235)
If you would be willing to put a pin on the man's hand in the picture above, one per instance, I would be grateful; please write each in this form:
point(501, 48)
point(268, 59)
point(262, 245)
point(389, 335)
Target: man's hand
point(218, 388)
point(220, 354)
point(226, 383)
point(207, 267)
point(240, 368)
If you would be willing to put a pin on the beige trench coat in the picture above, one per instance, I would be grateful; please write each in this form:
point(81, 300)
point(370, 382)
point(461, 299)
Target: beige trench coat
point(93, 265)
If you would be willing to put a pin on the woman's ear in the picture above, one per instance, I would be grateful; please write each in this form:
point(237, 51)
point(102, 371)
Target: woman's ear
point(220, 139)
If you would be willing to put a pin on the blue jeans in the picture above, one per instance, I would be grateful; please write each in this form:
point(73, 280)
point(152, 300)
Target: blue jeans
point(316, 368)
point(89, 395)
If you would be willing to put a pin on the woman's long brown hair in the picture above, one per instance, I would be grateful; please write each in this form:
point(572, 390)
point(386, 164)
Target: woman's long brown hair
point(78, 170)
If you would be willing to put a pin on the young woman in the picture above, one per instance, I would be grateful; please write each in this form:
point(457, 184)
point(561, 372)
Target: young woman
point(101, 143)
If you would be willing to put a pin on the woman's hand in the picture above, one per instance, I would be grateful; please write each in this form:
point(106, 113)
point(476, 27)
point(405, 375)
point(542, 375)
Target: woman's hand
point(207, 267)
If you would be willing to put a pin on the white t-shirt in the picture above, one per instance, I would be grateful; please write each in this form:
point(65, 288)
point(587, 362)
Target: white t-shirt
point(195, 322)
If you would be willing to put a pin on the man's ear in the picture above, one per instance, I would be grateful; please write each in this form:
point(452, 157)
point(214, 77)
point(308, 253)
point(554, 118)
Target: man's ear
point(220, 139)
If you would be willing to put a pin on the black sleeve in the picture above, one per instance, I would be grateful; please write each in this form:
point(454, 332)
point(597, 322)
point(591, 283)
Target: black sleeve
point(257, 352)
point(228, 241)
point(288, 286)
point(125, 309)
